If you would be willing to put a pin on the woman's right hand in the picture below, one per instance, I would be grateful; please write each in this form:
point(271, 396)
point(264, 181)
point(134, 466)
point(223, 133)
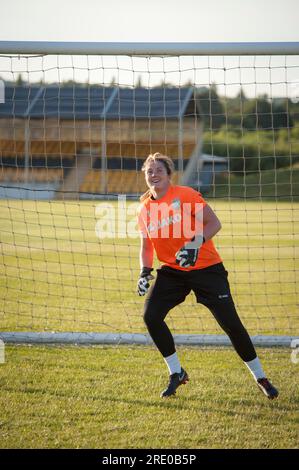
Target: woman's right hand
point(143, 281)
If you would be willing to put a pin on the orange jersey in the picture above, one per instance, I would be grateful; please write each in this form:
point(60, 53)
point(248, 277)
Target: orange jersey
point(172, 221)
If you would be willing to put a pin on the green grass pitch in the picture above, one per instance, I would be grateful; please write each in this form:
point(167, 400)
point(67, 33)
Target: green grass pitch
point(97, 397)
point(56, 275)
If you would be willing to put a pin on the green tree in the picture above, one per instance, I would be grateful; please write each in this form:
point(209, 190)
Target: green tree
point(257, 114)
point(19, 80)
point(211, 107)
point(282, 118)
point(139, 82)
point(234, 109)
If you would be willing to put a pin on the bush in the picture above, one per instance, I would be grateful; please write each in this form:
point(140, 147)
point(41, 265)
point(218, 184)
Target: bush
point(254, 150)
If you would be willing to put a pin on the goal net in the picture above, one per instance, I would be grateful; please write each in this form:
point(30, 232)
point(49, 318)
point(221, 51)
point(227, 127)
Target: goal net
point(76, 123)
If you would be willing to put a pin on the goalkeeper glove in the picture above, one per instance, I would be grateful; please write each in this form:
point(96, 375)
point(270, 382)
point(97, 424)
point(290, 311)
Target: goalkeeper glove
point(143, 282)
point(188, 254)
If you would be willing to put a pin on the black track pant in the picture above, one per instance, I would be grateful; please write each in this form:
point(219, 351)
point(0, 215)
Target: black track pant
point(211, 288)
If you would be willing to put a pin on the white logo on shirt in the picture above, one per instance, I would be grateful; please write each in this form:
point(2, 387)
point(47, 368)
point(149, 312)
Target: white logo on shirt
point(176, 204)
point(164, 222)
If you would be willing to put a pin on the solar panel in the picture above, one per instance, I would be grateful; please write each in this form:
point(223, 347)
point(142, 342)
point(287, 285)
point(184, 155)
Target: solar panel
point(142, 103)
point(95, 102)
point(17, 101)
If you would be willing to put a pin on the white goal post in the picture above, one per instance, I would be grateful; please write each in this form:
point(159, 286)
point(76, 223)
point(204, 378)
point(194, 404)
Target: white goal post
point(149, 49)
point(76, 122)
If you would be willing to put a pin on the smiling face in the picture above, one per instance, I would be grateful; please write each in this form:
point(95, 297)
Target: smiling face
point(157, 178)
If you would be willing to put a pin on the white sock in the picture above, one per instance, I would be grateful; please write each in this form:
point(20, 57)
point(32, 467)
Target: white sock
point(173, 363)
point(255, 368)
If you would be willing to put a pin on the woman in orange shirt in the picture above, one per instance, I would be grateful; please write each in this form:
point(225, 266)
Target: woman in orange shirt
point(177, 223)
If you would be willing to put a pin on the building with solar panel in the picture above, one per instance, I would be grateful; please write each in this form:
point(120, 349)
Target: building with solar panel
point(86, 142)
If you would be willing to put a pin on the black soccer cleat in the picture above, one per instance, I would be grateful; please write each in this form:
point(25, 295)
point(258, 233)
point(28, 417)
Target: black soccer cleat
point(175, 380)
point(267, 388)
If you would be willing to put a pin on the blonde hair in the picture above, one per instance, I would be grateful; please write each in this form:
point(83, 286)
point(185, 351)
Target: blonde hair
point(157, 157)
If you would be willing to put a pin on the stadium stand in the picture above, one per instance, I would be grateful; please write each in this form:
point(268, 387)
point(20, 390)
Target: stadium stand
point(93, 140)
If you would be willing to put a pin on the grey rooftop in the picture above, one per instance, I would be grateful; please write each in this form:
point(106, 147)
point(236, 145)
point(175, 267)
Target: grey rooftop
point(96, 102)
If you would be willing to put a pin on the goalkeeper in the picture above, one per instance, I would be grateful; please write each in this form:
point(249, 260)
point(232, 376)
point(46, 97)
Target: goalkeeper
point(177, 223)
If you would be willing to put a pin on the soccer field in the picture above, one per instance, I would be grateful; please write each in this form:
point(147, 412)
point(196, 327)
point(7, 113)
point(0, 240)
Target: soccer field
point(100, 397)
point(86, 127)
point(57, 275)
